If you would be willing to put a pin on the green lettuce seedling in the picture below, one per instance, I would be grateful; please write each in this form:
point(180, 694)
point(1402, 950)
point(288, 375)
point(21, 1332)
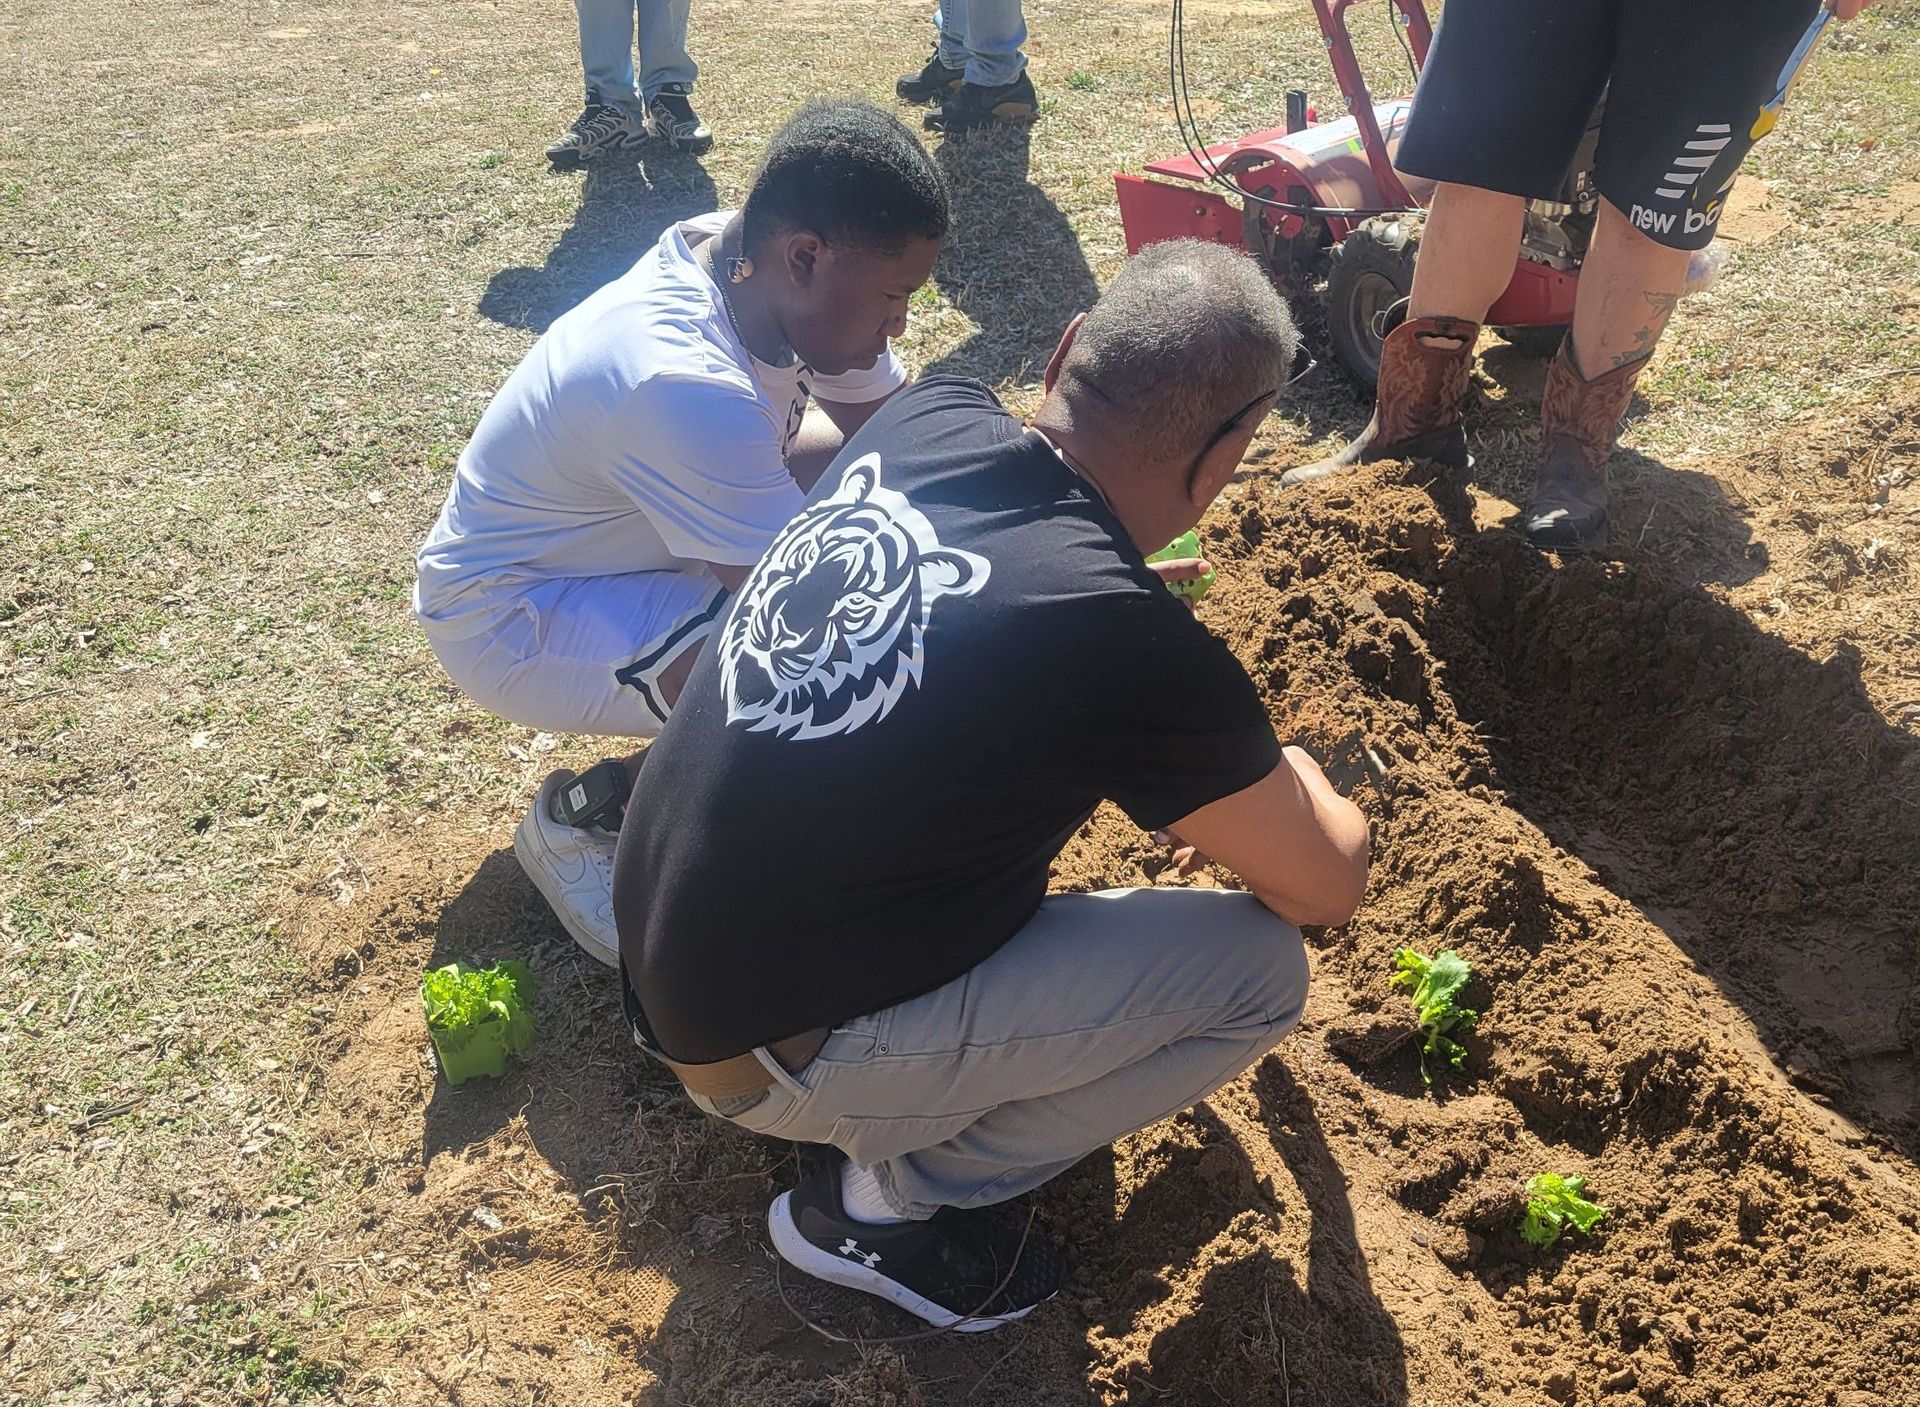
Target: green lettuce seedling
point(1184, 546)
point(1554, 1203)
point(477, 1017)
point(1434, 983)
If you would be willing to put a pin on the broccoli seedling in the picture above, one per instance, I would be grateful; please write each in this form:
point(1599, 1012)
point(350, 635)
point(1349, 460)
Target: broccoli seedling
point(1434, 982)
point(1554, 1203)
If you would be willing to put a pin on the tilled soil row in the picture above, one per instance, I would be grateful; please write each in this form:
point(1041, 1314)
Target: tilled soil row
point(1676, 852)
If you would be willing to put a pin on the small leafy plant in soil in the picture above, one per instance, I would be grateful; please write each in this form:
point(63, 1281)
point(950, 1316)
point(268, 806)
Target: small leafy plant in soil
point(1555, 1205)
point(1434, 984)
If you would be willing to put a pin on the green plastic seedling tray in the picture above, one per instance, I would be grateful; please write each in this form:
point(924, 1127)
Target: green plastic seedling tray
point(476, 1018)
point(470, 1051)
point(1186, 545)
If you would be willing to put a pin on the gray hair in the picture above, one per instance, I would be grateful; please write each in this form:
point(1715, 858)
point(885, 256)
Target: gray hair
point(1185, 337)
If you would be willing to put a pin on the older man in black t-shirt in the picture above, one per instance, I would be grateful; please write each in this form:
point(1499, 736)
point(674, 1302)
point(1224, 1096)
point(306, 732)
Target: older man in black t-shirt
point(831, 883)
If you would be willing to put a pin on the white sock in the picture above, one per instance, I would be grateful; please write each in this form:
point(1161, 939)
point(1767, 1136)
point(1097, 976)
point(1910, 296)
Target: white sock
point(860, 1196)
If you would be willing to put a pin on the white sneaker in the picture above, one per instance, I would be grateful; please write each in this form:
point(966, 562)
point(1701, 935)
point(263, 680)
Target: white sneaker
point(573, 869)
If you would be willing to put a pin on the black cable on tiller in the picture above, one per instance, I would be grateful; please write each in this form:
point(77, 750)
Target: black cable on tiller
point(1190, 137)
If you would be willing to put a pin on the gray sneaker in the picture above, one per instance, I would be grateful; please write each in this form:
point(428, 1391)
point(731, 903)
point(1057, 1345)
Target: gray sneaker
point(671, 119)
point(601, 129)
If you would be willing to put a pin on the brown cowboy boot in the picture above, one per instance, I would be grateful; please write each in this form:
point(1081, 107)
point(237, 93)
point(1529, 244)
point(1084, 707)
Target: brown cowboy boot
point(1579, 422)
point(1417, 413)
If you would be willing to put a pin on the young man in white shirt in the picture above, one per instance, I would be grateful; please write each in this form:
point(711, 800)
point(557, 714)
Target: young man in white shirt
point(650, 446)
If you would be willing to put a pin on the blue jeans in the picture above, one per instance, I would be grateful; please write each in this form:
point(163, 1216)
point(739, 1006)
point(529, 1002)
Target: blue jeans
point(606, 48)
point(983, 37)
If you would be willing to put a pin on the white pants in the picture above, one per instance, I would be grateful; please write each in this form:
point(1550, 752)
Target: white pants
point(585, 654)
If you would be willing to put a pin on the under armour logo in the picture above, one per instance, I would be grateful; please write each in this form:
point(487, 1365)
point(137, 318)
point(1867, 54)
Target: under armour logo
point(866, 1258)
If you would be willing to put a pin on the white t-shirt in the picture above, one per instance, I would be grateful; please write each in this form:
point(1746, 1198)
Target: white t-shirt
point(639, 434)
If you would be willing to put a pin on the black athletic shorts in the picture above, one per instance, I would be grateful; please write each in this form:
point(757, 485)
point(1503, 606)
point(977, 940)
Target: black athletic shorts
point(1510, 86)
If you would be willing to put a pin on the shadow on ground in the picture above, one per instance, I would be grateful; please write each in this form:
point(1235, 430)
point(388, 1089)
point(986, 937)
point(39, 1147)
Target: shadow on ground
point(1011, 262)
point(1751, 800)
point(1257, 1329)
point(1681, 520)
point(624, 206)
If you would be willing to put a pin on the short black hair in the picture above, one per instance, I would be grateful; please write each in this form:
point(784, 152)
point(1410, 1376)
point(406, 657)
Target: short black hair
point(853, 175)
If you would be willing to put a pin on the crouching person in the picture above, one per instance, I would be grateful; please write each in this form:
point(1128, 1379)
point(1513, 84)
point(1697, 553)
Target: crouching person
point(831, 888)
point(649, 447)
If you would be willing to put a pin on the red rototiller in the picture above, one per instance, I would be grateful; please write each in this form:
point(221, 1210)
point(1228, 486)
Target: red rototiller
point(1321, 201)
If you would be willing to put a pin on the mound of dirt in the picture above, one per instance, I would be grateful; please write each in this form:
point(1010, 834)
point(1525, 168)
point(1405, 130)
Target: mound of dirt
point(1679, 855)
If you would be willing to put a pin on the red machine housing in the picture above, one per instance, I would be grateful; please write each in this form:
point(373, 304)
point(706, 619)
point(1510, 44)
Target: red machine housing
point(1346, 164)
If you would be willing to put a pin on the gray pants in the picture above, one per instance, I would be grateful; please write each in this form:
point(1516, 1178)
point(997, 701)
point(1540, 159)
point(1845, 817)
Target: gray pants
point(606, 48)
point(1105, 1013)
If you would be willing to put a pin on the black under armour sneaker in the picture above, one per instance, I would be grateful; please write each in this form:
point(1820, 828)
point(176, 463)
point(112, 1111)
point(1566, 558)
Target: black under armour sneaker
point(944, 1271)
point(971, 106)
point(934, 81)
point(671, 118)
point(601, 129)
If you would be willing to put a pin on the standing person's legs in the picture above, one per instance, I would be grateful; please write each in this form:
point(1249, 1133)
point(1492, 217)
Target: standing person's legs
point(946, 68)
point(606, 51)
point(610, 124)
point(1467, 252)
point(1629, 286)
point(667, 78)
point(981, 39)
point(1685, 105)
point(990, 33)
point(1505, 98)
point(950, 34)
point(604, 655)
point(664, 60)
point(1105, 1013)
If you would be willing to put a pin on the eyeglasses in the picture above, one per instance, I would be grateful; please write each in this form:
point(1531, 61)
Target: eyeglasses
point(1303, 362)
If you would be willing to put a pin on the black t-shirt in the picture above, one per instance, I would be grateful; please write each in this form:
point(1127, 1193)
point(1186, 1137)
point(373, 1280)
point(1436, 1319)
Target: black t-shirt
point(939, 668)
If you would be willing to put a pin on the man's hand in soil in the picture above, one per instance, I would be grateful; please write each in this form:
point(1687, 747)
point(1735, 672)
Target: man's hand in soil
point(1186, 860)
point(1844, 10)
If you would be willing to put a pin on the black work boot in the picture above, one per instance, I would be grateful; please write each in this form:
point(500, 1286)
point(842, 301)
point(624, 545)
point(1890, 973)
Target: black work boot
point(1579, 423)
point(970, 107)
point(931, 83)
point(1416, 414)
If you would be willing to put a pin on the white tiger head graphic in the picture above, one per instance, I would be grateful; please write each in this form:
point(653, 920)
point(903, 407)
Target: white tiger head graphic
point(830, 628)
